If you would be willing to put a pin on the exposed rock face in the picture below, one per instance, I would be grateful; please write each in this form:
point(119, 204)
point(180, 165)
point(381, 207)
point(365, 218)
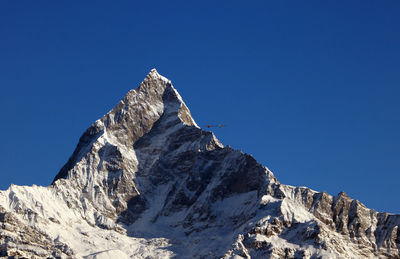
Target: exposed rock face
point(146, 182)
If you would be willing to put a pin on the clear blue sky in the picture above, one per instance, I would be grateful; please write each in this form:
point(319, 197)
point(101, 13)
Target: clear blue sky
point(310, 88)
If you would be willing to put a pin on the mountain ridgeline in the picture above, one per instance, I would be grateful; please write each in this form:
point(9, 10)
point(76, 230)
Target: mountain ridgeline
point(146, 182)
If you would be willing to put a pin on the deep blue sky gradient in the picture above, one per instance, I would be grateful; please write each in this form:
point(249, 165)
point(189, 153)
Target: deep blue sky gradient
point(310, 88)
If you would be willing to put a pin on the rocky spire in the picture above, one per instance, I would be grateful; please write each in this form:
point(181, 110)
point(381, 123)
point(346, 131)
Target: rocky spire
point(133, 117)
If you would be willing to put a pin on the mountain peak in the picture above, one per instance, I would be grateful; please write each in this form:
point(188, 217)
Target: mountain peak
point(155, 101)
point(155, 75)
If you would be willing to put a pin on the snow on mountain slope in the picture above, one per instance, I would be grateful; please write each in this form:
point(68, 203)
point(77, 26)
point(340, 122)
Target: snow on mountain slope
point(146, 182)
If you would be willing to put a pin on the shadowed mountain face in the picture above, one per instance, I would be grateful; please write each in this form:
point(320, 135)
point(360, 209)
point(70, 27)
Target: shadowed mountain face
point(146, 182)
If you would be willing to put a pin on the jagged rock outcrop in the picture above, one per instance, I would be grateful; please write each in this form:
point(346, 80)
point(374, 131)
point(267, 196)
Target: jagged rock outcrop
point(146, 182)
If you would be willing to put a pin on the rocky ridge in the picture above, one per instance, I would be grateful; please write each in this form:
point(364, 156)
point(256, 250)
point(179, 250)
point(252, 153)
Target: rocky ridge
point(146, 182)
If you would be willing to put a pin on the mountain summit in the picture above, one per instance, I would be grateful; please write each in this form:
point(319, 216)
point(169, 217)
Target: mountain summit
point(146, 182)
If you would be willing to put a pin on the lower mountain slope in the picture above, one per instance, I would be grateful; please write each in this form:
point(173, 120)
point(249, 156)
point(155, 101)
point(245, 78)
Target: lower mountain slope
point(146, 182)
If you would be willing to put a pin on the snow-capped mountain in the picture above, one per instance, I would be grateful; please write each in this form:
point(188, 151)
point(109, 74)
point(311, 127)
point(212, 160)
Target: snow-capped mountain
point(146, 182)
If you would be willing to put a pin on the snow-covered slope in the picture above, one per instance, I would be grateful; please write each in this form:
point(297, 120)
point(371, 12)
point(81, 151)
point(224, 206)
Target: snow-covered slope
point(146, 182)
